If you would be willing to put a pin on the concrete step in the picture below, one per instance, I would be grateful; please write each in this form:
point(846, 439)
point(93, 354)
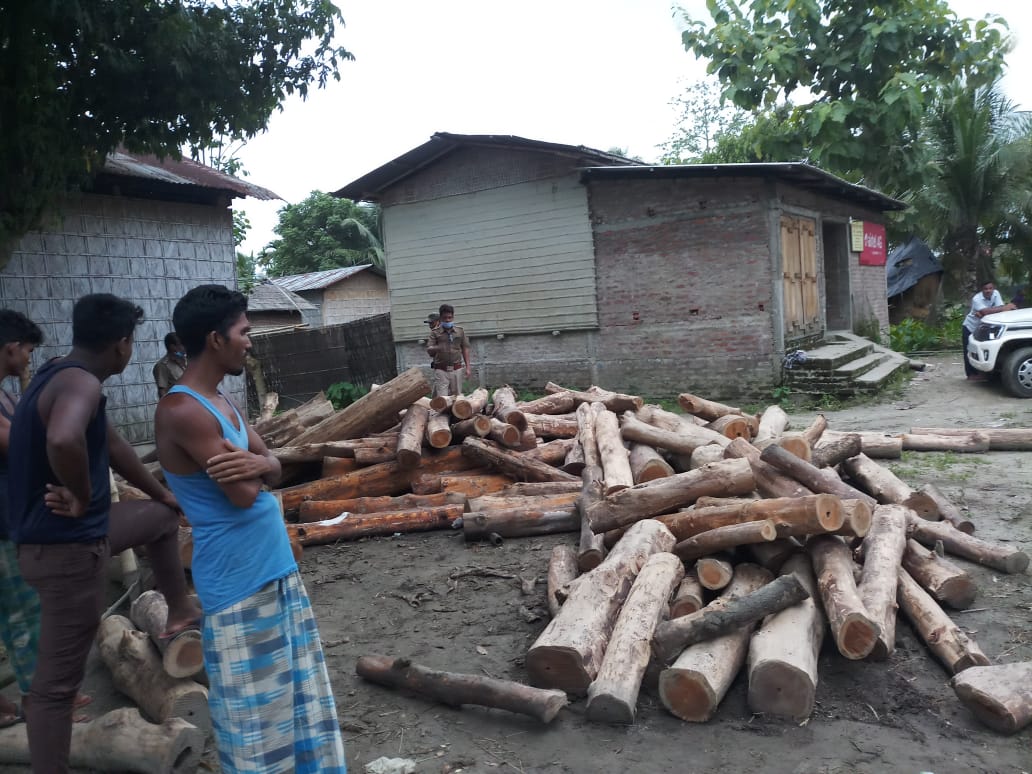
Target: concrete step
point(828, 357)
point(860, 365)
point(877, 376)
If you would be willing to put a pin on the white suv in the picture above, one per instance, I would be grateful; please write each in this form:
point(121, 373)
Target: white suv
point(1002, 343)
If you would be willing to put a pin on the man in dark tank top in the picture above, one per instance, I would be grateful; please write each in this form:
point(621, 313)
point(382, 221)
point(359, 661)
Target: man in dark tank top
point(64, 523)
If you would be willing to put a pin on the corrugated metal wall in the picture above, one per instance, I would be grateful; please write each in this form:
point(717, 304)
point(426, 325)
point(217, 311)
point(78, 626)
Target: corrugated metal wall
point(362, 295)
point(517, 258)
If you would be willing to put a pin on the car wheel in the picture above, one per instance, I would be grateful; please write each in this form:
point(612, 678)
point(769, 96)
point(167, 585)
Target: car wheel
point(1017, 373)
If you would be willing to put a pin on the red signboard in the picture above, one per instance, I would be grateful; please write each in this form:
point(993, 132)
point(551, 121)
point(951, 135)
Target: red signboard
point(874, 251)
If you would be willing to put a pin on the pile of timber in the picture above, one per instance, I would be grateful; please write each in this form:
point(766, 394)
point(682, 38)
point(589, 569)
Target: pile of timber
point(693, 530)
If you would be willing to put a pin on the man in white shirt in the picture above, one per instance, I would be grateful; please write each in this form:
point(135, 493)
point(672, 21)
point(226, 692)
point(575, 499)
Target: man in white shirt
point(987, 301)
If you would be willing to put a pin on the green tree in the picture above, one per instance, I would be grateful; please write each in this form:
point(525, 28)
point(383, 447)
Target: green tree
point(323, 232)
point(704, 118)
point(246, 271)
point(79, 79)
point(870, 68)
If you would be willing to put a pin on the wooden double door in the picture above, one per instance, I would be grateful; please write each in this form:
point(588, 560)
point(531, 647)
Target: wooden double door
point(802, 314)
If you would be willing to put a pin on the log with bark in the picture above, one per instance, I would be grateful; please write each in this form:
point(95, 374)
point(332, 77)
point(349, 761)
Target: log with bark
point(882, 484)
point(372, 455)
point(879, 446)
point(944, 638)
point(795, 444)
point(726, 538)
point(562, 570)
point(182, 655)
point(120, 740)
point(855, 630)
point(613, 695)
point(504, 433)
point(812, 432)
point(549, 426)
point(478, 425)
point(783, 652)
point(553, 452)
point(773, 422)
point(731, 426)
point(535, 489)
point(314, 452)
point(997, 555)
point(410, 439)
point(729, 477)
point(656, 416)
point(689, 596)
point(574, 462)
point(815, 479)
point(947, 510)
point(1000, 438)
point(703, 456)
point(946, 582)
point(792, 515)
point(137, 672)
point(465, 406)
point(883, 551)
point(338, 466)
point(569, 652)
point(353, 526)
point(1000, 696)
point(591, 548)
point(706, 409)
point(438, 430)
point(857, 517)
point(694, 685)
point(554, 403)
point(974, 442)
point(614, 401)
point(319, 510)
point(685, 440)
point(770, 482)
point(714, 572)
point(512, 464)
point(471, 483)
point(455, 689)
point(647, 464)
point(442, 403)
point(504, 400)
point(832, 452)
point(519, 522)
point(500, 502)
point(772, 556)
point(616, 466)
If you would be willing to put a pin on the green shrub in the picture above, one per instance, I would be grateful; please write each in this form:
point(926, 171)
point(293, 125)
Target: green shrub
point(869, 329)
point(342, 394)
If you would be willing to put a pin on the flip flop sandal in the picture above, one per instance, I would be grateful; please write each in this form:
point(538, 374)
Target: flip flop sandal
point(168, 636)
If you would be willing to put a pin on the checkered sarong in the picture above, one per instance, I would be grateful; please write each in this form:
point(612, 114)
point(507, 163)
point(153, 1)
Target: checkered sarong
point(271, 703)
point(19, 617)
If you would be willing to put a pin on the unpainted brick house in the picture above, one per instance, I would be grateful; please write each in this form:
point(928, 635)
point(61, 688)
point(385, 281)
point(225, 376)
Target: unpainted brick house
point(573, 265)
point(341, 295)
point(148, 231)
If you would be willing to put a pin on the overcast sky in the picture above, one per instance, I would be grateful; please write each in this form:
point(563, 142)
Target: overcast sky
point(599, 73)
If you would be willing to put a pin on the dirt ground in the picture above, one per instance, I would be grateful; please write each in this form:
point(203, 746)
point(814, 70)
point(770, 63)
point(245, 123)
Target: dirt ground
point(432, 598)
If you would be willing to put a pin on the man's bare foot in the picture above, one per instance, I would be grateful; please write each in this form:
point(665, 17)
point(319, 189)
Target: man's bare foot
point(186, 618)
point(10, 713)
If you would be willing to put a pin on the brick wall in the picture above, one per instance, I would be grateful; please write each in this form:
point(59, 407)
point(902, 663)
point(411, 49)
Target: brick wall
point(150, 252)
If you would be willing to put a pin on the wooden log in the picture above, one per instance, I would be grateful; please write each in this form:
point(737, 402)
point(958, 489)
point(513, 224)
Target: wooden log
point(857, 517)
point(307, 414)
point(944, 638)
point(120, 740)
point(875, 445)
point(814, 479)
point(947, 510)
point(591, 548)
point(791, 515)
point(773, 555)
point(667, 420)
point(545, 502)
point(716, 620)
point(613, 695)
point(883, 552)
point(714, 572)
point(855, 631)
point(997, 555)
point(478, 425)
point(373, 455)
point(773, 422)
point(731, 426)
point(534, 489)
point(548, 426)
point(770, 482)
point(137, 672)
point(946, 582)
point(1000, 696)
point(647, 464)
point(553, 452)
point(694, 685)
point(574, 461)
point(320, 510)
point(614, 401)
point(706, 501)
point(1000, 438)
point(455, 689)
point(729, 477)
point(503, 433)
point(689, 596)
point(410, 439)
point(707, 409)
point(374, 411)
point(465, 406)
point(569, 652)
point(555, 403)
point(725, 538)
point(354, 526)
point(314, 452)
point(562, 570)
point(684, 441)
point(470, 483)
point(704, 455)
point(519, 522)
point(442, 403)
point(438, 430)
point(783, 653)
point(338, 466)
point(882, 484)
point(505, 409)
point(974, 442)
point(511, 463)
point(812, 432)
point(832, 452)
point(182, 655)
point(616, 466)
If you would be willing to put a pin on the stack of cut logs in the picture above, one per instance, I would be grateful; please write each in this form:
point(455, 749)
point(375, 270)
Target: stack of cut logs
point(708, 540)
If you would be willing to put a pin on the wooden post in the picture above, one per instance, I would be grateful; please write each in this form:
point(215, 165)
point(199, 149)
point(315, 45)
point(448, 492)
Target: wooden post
point(883, 552)
point(855, 631)
point(1000, 696)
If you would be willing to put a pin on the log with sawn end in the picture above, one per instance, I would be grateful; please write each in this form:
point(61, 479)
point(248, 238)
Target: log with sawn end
point(614, 401)
point(997, 555)
point(616, 465)
point(1000, 696)
point(1000, 438)
point(519, 522)
point(647, 464)
point(478, 425)
point(947, 510)
point(883, 551)
point(882, 446)
point(882, 484)
point(707, 409)
point(792, 515)
point(726, 538)
point(714, 572)
point(946, 582)
point(689, 596)
point(855, 631)
point(505, 409)
point(770, 482)
point(553, 403)
point(353, 526)
point(562, 570)
point(815, 479)
point(181, 655)
point(465, 406)
point(320, 510)
point(504, 433)
point(549, 426)
point(731, 426)
point(410, 438)
point(511, 463)
point(684, 440)
point(835, 451)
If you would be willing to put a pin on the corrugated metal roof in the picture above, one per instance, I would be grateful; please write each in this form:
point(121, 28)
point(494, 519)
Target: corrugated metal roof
point(186, 172)
point(370, 186)
point(269, 297)
point(802, 175)
point(317, 280)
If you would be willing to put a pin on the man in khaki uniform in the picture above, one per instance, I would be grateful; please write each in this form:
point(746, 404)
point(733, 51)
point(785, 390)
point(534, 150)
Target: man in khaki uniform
point(449, 347)
point(170, 368)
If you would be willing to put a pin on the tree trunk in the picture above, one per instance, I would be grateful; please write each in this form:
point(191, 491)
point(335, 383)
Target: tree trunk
point(120, 740)
point(320, 510)
point(997, 555)
point(442, 403)
point(548, 426)
point(875, 445)
point(410, 439)
point(438, 430)
point(647, 464)
point(465, 406)
point(556, 403)
point(794, 443)
point(505, 434)
point(1000, 438)
point(616, 466)
point(545, 502)
point(714, 572)
point(773, 422)
point(946, 582)
point(1000, 696)
point(707, 409)
point(478, 425)
point(455, 689)
point(974, 442)
point(569, 652)
point(835, 451)
point(731, 426)
point(947, 510)
point(562, 570)
point(783, 653)
point(791, 515)
point(857, 517)
point(730, 477)
point(815, 479)
point(511, 463)
point(704, 455)
point(519, 522)
point(883, 552)
point(182, 655)
point(812, 433)
point(693, 687)
point(770, 482)
point(689, 596)
point(613, 695)
point(374, 411)
point(886, 488)
point(504, 399)
point(348, 526)
point(474, 483)
point(614, 401)
point(945, 639)
point(725, 538)
point(855, 631)
point(684, 441)
point(136, 671)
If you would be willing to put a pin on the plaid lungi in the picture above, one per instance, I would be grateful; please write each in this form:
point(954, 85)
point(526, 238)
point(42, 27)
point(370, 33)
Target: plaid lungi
point(271, 703)
point(19, 617)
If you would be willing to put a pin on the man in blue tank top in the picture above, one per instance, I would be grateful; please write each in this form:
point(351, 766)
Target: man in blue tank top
point(64, 523)
point(271, 702)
